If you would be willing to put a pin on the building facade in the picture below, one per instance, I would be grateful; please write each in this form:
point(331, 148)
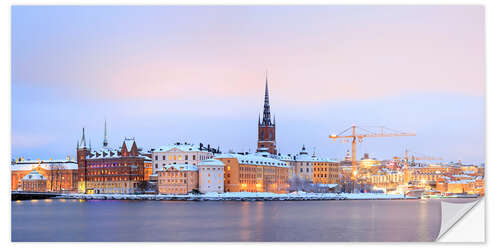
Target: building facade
point(61, 175)
point(34, 182)
point(180, 153)
point(211, 176)
point(254, 173)
point(178, 179)
point(108, 170)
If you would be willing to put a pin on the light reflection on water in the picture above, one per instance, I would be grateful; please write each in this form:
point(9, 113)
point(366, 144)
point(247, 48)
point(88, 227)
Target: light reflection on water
point(396, 220)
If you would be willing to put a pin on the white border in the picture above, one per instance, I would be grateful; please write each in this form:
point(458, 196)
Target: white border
point(492, 121)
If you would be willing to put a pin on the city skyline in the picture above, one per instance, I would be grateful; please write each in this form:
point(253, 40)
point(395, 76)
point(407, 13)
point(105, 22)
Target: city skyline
point(163, 84)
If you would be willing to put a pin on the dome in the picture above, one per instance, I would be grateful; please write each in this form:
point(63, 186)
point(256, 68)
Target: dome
point(34, 175)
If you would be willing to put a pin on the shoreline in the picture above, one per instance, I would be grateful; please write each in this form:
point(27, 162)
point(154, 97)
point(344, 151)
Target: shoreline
point(238, 197)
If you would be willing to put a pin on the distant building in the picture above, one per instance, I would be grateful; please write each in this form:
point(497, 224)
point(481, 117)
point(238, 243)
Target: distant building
point(300, 165)
point(34, 182)
point(211, 176)
point(108, 170)
point(254, 173)
point(311, 168)
point(180, 153)
point(178, 179)
point(61, 175)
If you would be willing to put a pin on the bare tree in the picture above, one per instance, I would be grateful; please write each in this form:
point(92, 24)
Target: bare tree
point(55, 177)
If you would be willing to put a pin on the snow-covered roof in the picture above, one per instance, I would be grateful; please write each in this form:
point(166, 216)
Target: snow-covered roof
point(461, 176)
point(108, 153)
point(34, 175)
point(186, 147)
point(181, 167)
point(211, 162)
point(254, 159)
point(327, 185)
point(461, 182)
point(24, 166)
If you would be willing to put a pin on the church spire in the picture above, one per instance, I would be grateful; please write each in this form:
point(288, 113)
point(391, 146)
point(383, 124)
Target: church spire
point(82, 142)
point(267, 108)
point(105, 142)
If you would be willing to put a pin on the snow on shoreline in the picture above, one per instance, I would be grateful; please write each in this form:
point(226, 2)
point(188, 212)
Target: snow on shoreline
point(238, 196)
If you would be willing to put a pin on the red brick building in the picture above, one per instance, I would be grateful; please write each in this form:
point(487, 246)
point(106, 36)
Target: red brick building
point(110, 170)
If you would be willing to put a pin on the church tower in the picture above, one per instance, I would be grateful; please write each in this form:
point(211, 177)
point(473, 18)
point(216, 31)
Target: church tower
point(82, 151)
point(267, 128)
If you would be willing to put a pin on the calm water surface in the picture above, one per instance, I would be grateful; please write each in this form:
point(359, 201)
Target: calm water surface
point(374, 220)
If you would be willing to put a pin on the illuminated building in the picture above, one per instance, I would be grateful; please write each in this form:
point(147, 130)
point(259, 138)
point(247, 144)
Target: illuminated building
point(254, 173)
point(148, 169)
point(108, 170)
point(61, 175)
point(177, 179)
point(34, 182)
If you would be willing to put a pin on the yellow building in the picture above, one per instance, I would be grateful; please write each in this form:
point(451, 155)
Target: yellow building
point(254, 173)
point(177, 179)
point(325, 171)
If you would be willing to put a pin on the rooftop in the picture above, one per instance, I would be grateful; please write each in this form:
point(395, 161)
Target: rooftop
point(254, 159)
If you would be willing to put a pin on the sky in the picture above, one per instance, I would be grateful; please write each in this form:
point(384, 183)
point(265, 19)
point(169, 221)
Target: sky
point(166, 74)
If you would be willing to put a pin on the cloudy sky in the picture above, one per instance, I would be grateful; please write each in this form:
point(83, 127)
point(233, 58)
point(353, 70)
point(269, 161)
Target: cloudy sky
point(196, 74)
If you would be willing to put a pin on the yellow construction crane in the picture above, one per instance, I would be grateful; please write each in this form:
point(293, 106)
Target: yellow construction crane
point(358, 138)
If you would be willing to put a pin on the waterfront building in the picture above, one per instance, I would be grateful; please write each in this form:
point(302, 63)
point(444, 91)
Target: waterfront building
point(254, 173)
point(34, 182)
point(211, 176)
point(266, 128)
point(148, 169)
point(108, 170)
point(180, 153)
point(178, 179)
point(61, 175)
point(312, 168)
point(326, 171)
point(460, 184)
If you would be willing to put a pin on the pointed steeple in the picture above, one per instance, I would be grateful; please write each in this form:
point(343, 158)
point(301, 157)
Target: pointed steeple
point(267, 108)
point(105, 142)
point(83, 141)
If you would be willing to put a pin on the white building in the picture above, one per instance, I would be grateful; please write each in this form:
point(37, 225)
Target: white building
point(179, 153)
point(211, 174)
point(301, 165)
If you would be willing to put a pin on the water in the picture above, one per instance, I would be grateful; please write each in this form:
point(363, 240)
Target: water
point(108, 220)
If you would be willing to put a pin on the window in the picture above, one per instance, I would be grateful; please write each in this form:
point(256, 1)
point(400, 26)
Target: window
point(194, 157)
point(186, 158)
point(156, 157)
point(163, 158)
